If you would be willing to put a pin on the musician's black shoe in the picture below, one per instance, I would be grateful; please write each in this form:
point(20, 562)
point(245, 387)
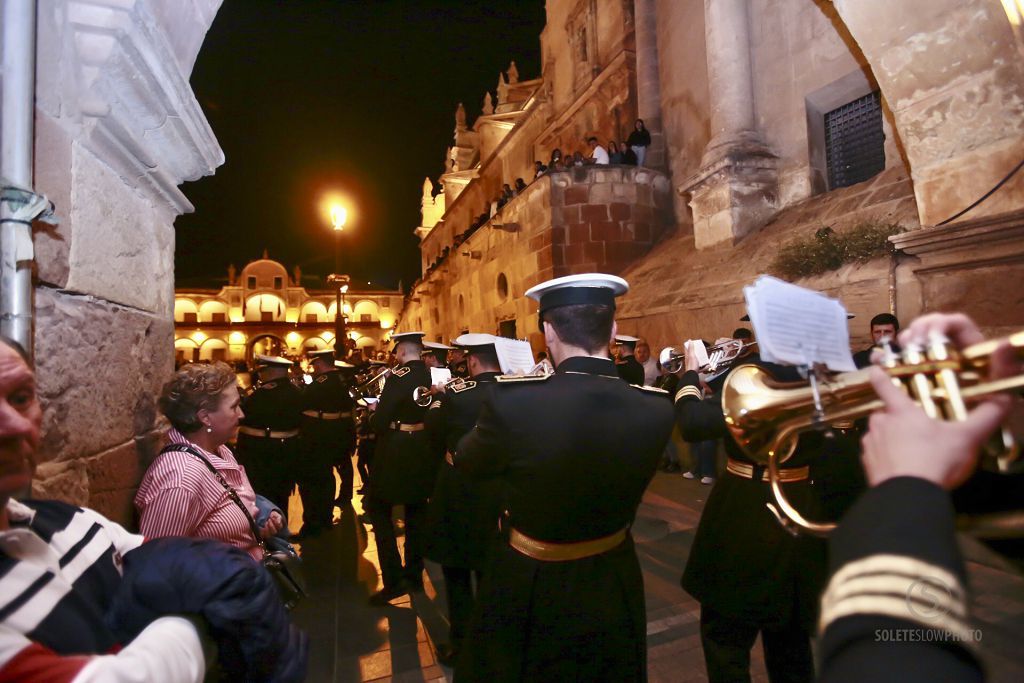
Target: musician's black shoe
point(447, 654)
point(385, 595)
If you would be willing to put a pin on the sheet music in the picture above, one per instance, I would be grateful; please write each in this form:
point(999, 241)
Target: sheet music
point(440, 376)
point(514, 355)
point(798, 326)
point(696, 347)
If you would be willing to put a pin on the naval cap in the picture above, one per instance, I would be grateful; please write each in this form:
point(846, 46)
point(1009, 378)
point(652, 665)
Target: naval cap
point(475, 341)
point(342, 365)
point(435, 346)
point(263, 361)
point(626, 340)
point(585, 288)
point(415, 337)
point(323, 354)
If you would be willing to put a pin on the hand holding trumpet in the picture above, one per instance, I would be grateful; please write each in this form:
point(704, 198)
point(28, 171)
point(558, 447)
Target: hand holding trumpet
point(903, 441)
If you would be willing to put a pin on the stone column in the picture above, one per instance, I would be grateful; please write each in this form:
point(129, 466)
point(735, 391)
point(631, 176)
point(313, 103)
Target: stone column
point(648, 84)
point(734, 191)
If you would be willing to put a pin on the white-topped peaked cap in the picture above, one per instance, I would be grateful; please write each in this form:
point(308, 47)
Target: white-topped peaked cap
point(263, 361)
point(436, 346)
point(343, 365)
point(585, 288)
point(416, 337)
point(475, 341)
point(626, 340)
point(322, 353)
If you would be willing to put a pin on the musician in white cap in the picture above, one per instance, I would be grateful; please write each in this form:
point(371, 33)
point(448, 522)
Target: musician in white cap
point(563, 598)
point(268, 435)
point(404, 468)
point(435, 354)
point(628, 366)
point(462, 516)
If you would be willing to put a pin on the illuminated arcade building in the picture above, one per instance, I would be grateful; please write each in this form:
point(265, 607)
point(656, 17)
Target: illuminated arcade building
point(264, 310)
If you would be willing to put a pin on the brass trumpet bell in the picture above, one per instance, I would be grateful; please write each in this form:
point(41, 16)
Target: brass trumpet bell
point(766, 417)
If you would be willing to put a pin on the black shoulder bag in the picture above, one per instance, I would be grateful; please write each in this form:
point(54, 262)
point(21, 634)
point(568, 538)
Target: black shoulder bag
point(285, 567)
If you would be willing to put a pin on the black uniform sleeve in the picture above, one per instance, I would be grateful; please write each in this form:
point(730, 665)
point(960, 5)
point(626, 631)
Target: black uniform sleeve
point(436, 421)
point(482, 452)
point(390, 402)
point(699, 419)
point(895, 608)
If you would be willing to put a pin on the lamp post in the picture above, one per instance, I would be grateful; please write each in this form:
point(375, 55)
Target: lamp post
point(338, 217)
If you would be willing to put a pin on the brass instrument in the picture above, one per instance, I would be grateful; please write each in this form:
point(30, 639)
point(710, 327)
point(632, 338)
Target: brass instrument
point(371, 388)
point(766, 417)
point(423, 396)
point(720, 357)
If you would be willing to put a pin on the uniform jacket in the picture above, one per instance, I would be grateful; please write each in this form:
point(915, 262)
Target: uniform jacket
point(404, 465)
point(463, 514)
point(327, 393)
point(742, 562)
point(574, 453)
point(276, 405)
point(897, 569)
point(631, 370)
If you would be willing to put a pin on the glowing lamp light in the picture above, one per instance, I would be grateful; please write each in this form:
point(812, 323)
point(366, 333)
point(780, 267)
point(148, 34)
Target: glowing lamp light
point(198, 337)
point(346, 309)
point(354, 336)
point(386, 324)
point(293, 338)
point(327, 336)
point(236, 338)
point(339, 214)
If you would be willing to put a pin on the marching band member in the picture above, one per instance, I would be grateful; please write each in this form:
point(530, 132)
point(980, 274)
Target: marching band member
point(462, 516)
point(563, 597)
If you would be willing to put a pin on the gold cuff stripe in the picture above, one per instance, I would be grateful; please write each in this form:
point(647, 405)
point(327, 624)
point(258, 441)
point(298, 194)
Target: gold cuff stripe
point(886, 585)
point(690, 391)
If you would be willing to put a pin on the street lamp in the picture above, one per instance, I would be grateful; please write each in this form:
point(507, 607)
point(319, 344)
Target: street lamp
point(338, 217)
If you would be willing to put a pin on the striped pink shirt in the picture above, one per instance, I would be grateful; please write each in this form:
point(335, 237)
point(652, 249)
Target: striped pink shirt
point(180, 496)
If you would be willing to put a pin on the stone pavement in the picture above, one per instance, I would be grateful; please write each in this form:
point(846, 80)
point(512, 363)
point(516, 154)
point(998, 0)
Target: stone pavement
point(352, 642)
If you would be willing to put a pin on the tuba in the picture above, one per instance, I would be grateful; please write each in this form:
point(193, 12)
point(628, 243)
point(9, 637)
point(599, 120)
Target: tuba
point(766, 417)
point(371, 388)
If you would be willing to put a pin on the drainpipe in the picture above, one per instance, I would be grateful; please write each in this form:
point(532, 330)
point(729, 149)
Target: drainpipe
point(18, 204)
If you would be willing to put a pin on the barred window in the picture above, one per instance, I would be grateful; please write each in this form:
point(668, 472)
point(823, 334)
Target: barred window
point(854, 141)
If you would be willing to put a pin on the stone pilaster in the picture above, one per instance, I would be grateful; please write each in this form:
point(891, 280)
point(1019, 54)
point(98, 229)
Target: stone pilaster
point(734, 192)
point(648, 84)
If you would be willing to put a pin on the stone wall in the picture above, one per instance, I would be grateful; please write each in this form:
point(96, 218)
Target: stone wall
point(594, 218)
point(117, 130)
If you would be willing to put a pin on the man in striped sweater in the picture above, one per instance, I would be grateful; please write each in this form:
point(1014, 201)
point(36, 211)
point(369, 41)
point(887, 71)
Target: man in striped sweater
point(60, 566)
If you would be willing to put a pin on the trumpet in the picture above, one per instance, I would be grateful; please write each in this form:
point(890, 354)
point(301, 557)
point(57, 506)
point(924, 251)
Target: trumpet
point(371, 388)
point(720, 357)
point(766, 417)
point(423, 396)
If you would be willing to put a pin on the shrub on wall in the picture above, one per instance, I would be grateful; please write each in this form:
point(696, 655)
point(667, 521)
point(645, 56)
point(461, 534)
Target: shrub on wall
point(828, 249)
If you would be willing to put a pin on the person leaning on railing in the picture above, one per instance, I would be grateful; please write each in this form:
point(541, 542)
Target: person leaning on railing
point(895, 607)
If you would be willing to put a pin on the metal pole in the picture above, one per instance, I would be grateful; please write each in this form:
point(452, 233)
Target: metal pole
point(16, 142)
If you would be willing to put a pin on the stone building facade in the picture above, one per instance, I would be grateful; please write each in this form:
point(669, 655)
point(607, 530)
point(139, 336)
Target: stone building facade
point(770, 120)
point(264, 309)
point(117, 130)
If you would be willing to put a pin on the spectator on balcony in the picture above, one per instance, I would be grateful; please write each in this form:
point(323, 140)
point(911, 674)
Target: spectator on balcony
point(614, 155)
point(520, 185)
point(628, 155)
point(577, 159)
point(556, 163)
point(539, 169)
point(639, 140)
point(598, 154)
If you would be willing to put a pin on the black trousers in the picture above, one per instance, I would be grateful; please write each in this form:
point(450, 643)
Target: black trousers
point(391, 567)
point(727, 641)
point(458, 582)
point(316, 485)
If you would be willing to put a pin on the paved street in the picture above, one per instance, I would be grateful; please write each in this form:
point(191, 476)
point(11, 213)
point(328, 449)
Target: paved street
point(352, 642)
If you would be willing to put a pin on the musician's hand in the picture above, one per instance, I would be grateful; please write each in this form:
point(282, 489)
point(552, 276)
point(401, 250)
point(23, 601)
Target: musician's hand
point(691, 359)
point(957, 327)
point(902, 441)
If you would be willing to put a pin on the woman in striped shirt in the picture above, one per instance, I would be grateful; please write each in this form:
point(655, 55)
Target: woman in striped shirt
point(179, 495)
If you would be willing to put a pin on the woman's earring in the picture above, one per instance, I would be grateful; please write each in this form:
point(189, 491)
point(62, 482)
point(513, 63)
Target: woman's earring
point(209, 429)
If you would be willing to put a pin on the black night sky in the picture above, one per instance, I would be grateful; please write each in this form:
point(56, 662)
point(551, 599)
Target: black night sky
point(355, 96)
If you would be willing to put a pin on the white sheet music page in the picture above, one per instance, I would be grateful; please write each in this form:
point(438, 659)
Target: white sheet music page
point(697, 348)
point(440, 376)
point(798, 326)
point(514, 355)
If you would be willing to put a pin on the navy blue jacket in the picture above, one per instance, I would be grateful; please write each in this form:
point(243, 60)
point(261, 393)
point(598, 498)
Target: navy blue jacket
point(235, 595)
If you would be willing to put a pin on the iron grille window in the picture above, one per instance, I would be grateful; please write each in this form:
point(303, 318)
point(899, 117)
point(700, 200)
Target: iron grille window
point(854, 141)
